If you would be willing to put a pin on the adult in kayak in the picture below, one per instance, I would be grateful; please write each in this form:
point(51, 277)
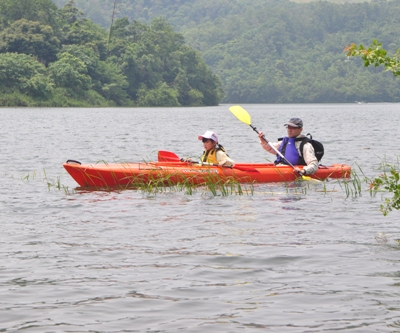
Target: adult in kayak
point(289, 147)
point(214, 153)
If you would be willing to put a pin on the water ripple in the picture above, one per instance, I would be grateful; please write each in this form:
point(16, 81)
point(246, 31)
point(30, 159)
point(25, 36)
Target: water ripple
point(295, 258)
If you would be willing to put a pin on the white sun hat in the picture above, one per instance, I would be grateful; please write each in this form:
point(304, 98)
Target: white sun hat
point(209, 135)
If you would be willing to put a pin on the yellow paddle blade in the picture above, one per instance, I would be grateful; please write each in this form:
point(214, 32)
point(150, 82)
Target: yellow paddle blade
point(241, 114)
point(310, 179)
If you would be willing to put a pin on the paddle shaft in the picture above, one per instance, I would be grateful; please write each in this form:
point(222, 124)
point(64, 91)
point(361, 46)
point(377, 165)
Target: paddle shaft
point(223, 166)
point(206, 163)
point(169, 156)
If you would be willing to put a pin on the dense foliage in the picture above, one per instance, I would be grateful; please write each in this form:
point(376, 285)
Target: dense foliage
point(277, 51)
point(57, 57)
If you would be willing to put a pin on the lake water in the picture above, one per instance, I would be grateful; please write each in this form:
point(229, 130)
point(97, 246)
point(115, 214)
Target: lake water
point(288, 258)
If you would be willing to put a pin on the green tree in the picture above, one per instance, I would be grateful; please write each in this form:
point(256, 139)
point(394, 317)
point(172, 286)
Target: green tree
point(200, 77)
point(160, 96)
point(112, 82)
point(153, 57)
point(43, 11)
point(375, 55)
point(107, 78)
point(71, 73)
point(139, 64)
point(85, 32)
point(23, 73)
point(32, 38)
point(71, 13)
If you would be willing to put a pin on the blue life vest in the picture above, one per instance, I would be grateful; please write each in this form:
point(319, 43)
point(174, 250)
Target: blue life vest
point(288, 149)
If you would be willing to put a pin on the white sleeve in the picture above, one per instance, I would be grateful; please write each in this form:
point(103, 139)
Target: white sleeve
point(224, 159)
point(310, 159)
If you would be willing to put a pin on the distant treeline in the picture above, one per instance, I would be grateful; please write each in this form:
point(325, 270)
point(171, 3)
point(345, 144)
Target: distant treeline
point(52, 56)
point(277, 51)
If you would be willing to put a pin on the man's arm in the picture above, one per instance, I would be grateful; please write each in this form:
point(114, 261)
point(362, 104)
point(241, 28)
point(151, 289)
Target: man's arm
point(310, 159)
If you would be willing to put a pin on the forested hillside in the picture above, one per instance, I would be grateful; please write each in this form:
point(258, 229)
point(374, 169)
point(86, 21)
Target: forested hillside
point(58, 57)
point(277, 51)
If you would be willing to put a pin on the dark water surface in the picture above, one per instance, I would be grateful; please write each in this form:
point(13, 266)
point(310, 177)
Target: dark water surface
point(289, 258)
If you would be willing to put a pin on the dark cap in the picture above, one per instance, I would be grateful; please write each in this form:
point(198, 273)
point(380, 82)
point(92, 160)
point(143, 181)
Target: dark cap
point(295, 122)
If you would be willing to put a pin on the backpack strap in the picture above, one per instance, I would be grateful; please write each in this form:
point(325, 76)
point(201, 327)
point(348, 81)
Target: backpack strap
point(303, 142)
point(318, 147)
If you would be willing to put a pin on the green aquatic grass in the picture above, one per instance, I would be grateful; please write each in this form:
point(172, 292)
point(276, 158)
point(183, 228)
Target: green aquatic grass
point(387, 182)
point(351, 187)
point(154, 186)
point(160, 181)
point(56, 183)
point(157, 185)
point(29, 176)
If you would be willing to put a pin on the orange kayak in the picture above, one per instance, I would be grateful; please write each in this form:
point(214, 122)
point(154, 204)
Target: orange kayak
point(173, 173)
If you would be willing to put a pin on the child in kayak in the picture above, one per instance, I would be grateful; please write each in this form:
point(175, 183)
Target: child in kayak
point(214, 153)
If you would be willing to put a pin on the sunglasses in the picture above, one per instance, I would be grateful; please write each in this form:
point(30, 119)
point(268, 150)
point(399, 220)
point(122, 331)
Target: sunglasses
point(205, 140)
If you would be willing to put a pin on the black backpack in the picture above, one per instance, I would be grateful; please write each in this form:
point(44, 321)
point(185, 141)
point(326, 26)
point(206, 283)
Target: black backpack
point(318, 147)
